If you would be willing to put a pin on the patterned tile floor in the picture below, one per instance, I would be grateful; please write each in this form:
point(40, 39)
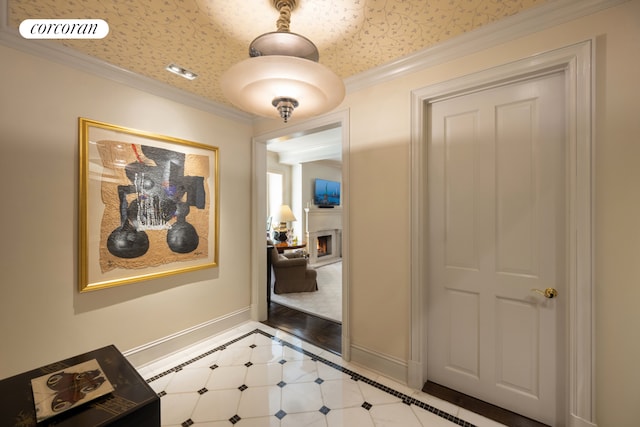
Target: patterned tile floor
point(255, 375)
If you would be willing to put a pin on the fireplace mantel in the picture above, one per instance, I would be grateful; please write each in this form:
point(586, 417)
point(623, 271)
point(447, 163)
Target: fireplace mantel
point(325, 219)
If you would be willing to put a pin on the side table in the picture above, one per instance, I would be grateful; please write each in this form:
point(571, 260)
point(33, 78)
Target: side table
point(281, 247)
point(133, 403)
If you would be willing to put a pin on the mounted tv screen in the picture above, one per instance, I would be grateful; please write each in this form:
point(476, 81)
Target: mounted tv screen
point(326, 193)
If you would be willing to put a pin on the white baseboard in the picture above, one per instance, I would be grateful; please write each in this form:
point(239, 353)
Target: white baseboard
point(168, 345)
point(414, 375)
point(383, 364)
point(575, 421)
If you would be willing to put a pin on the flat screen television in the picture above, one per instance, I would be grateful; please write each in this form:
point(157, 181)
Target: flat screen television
point(326, 193)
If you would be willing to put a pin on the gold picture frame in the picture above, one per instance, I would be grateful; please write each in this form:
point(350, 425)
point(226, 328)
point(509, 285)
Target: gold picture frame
point(148, 205)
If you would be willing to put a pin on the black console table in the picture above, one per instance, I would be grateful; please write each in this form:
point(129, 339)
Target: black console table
point(132, 403)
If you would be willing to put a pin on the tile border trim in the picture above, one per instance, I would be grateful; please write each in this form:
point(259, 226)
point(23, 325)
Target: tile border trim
point(406, 399)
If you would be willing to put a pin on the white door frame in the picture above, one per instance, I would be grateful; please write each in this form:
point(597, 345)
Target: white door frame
point(576, 61)
point(259, 215)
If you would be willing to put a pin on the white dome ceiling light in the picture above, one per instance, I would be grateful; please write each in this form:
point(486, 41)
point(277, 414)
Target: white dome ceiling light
point(282, 75)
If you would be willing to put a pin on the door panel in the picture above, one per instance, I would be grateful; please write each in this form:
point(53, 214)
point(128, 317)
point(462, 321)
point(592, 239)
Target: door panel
point(517, 340)
point(516, 233)
point(496, 231)
point(461, 248)
point(464, 334)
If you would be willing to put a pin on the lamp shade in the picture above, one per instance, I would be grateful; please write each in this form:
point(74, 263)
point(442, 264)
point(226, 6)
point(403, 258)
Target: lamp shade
point(254, 83)
point(285, 214)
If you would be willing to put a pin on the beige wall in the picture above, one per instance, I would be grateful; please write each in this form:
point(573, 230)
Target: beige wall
point(330, 170)
point(380, 159)
point(310, 171)
point(40, 308)
point(42, 316)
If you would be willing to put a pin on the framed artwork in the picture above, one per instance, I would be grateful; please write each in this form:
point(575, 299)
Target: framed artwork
point(148, 205)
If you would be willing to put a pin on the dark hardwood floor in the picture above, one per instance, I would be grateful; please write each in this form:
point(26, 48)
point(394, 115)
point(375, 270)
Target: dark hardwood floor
point(472, 404)
point(315, 330)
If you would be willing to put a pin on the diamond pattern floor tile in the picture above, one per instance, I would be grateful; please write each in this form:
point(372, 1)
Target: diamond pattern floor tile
point(267, 378)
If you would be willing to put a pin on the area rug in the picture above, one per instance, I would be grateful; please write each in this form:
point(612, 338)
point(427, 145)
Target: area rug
point(326, 302)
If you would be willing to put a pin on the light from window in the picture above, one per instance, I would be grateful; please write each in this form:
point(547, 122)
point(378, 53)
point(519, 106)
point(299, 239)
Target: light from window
point(274, 193)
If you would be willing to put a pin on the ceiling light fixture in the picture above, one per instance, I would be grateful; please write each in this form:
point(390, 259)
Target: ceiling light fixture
point(282, 72)
point(182, 72)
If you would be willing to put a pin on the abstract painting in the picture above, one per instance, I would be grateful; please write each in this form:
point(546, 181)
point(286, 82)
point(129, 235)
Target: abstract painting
point(148, 205)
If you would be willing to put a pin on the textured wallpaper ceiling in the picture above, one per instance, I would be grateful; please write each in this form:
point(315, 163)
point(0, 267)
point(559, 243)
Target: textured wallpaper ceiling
point(209, 36)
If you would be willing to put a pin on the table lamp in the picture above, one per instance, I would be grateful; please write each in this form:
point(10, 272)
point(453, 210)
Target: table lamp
point(285, 215)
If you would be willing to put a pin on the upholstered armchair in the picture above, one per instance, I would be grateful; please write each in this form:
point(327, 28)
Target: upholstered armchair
point(292, 274)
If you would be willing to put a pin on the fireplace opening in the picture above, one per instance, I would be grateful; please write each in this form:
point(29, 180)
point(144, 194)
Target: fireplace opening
point(323, 246)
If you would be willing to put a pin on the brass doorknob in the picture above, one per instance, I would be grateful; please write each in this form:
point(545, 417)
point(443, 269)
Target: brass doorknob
point(547, 293)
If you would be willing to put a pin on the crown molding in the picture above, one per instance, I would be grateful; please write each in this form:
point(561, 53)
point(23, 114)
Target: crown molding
point(522, 24)
point(554, 13)
point(60, 54)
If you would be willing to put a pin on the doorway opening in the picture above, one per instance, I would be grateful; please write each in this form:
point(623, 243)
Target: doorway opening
point(301, 154)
